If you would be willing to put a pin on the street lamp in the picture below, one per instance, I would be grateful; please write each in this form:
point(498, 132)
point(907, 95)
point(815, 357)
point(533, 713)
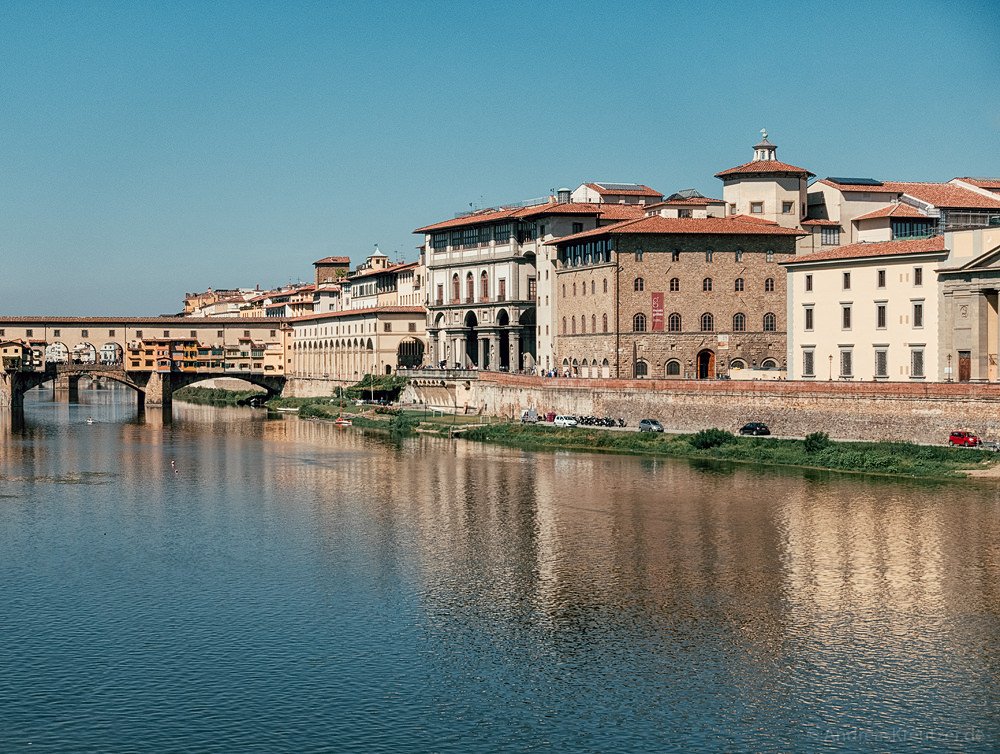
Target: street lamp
point(949, 367)
point(831, 367)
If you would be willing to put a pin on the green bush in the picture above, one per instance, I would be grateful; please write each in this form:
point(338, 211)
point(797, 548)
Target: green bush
point(816, 442)
point(711, 438)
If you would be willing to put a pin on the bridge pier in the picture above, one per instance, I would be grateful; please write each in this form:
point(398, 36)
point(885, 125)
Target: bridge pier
point(67, 388)
point(159, 390)
point(11, 390)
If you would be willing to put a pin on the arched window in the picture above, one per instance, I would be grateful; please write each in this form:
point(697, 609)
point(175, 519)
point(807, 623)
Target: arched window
point(641, 369)
point(673, 368)
point(605, 322)
point(675, 285)
point(706, 284)
point(737, 364)
point(738, 286)
point(484, 287)
point(708, 255)
point(768, 364)
point(456, 288)
point(707, 322)
point(674, 322)
point(639, 284)
point(739, 322)
point(770, 322)
point(470, 288)
point(739, 255)
point(593, 323)
point(769, 257)
point(769, 285)
point(605, 285)
point(572, 324)
point(583, 324)
point(574, 289)
point(593, 283)
point(675, 255)
point(564, 325)
point(639, 323)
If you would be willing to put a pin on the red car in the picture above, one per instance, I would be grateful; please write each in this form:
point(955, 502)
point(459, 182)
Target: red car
point(964, 439)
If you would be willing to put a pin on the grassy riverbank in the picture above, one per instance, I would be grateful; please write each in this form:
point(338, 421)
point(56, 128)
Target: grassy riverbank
point(895, 459)
point(214, 396)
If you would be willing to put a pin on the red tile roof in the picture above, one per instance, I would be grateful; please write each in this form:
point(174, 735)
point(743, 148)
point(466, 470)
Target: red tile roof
point(333, 260)
point(658, 225)
point(609, 211)
point(880, 189)
point(697, 201)
point(763, 166)
point(751, 219)
point(639, 190)
point(946, 195)
point(893, 210)
point(821, 223)
point(881, 249)
point(992, 184)
point(617, 212)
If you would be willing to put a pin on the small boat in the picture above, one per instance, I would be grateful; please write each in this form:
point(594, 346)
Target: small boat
point(293, 410)
point(90, 420)
point(340, 421)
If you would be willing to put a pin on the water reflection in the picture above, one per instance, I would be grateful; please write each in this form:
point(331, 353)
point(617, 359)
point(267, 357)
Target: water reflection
point(429, 594)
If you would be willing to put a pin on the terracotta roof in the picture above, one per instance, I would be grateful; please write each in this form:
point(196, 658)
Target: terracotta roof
point(893, 210)
point(370, 310)
point(333, 260)
point(946, 195)
point(763, 166)
point(393, 268)
point(821, 223)
point(751, 219)
point(609, 211)
point(879, 189)
point(473, 218)
point(657, 225)
point(699, 201)
point(992, 184)
point(639, 190)
point(96, 321)
point(617, 212)
point(881, 249)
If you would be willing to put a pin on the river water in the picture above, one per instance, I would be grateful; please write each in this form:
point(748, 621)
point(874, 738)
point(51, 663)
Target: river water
point(231, 582)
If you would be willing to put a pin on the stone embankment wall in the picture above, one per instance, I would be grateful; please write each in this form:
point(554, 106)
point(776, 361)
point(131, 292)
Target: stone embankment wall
point(921, 412)
point(311, 387)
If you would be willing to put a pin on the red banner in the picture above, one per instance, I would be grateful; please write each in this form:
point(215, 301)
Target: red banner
point(657, 312)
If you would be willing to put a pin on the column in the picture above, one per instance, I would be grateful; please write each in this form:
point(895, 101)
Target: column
point(514, 348)
point(483, 350)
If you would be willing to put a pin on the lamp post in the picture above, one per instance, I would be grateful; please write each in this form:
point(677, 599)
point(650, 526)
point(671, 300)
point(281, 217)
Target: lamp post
point(831, 368)
point(949, 368)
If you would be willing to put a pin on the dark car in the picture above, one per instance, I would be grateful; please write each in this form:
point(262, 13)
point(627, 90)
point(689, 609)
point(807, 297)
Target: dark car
point(754, 428)
point(650, 425)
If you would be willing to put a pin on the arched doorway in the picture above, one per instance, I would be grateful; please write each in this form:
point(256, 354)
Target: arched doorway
point(471, 356)
point(527, 332)
point(410, 353)
point(706, 365)
point(503, 358)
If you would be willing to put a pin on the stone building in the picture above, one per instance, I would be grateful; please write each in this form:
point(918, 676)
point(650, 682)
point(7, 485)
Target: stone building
point(672, 298)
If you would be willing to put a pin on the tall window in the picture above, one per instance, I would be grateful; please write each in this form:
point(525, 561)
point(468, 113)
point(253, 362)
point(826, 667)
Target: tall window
point(604, 322)
point(502, 289)
point(881, 363)
point(846, 363)
point(880, 316)
point(808, 364)
point(707, 322)
point(470, 288)
point(605, 285)
point(769, 256)
point(484, 287)
point(738, 286)
point(739, 255)
point(808, 318)
point(847, 281)
point(918, 314)
point(572, 324)
point(593, 323)
point(917, 362)
point(809, 282)
point(770, 322)
point(918, 275)
point(583, 324)
point(675, 255)
point(639, 284)
point(456, 289)
point(830, 236)
point(639, 323)
point(708, 255)
point(845, 317)
point(440, 295)
point(880, 278)
point(564, 325)
point(769, 285)
point(739, 322)
point(674, 322)
point(706, 284)
point(675, 285)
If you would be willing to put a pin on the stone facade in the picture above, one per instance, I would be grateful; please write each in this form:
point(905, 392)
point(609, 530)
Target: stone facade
point(644, 266)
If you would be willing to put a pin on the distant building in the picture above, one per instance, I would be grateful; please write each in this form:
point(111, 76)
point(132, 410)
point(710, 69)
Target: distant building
point(331, 269)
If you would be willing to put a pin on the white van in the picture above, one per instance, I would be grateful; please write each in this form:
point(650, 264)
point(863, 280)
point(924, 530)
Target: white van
point(565, 421)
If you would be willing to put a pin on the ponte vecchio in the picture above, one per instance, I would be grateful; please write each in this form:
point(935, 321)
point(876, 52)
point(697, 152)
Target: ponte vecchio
point(152, 355)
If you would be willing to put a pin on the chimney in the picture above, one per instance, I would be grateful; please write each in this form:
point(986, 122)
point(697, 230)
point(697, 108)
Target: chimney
point(563, 195)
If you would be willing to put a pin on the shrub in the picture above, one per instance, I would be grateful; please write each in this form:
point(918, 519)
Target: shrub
point(711, 438)
point(816, 442)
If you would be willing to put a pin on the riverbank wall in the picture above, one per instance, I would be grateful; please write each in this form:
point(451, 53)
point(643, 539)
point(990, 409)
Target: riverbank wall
point(919, 412)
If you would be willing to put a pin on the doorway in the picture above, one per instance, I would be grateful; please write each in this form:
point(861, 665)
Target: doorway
point(964, 366)
point(706, 365)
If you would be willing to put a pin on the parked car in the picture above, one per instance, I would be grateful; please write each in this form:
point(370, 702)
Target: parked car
point(565, 421)
point(964, 439)
point(754, 428)
point(650, 425)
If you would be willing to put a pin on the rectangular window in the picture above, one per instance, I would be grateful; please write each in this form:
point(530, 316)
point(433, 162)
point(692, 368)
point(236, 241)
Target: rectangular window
point(808, 364)
point(218, 333)
point(166, 333)
point(756, 208)
point(918, 314)
point(809, 282)
point(918, 275)
point(880, 316)
point(502, 289)
point(675, 256)
point(57, 333)
point(881, 363)
point(138, 333)
point(532, 289)
point(578, 227)
point(769, 256)
point(880, 275)
point(683, 213)
point(732, 209)
point(439, 240)
point(847, 281)
point(412, 326)
point(830, 236)
point(786, 208)
point(84, 333)
point(29, 333)
point(387, 326)
point(195, 334)
point(845, 317)
point(246, 333)
point(846, 363)
point(809, 318)
point(917, 362)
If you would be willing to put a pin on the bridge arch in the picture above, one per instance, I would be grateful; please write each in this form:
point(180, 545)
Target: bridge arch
point(56, 353)
point(84, 353)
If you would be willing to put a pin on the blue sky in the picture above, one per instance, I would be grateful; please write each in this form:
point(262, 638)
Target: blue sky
point(148, 149)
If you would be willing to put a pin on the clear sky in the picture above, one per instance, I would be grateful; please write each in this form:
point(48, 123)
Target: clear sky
point(148, 149)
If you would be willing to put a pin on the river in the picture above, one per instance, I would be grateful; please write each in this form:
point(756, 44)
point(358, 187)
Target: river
point(232, 582)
